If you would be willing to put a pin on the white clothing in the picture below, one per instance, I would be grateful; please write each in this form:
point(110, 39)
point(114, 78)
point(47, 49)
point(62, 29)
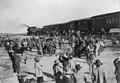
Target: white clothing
point(38, 69)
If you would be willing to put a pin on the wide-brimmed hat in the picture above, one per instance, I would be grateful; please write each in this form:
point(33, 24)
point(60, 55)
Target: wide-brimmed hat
point(37, 59)
point(98, 62)
point(70, 56)
point(78, 66)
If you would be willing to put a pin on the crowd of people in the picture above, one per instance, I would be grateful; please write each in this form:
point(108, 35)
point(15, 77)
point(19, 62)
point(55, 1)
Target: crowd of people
point(67, 73)
point(65, 68)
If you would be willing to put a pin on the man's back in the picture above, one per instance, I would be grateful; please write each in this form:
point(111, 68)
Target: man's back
point(79, 77)
point(98, 75)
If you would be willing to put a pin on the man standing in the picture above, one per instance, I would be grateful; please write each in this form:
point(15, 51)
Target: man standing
point(72, 63)
point(39, 47)
point(16, 62)
point(98, 73)
point(11, 54)
point(117, 69)
point(38, 70)
point(78, 75)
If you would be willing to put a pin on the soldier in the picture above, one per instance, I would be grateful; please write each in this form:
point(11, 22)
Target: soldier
point(117, 69)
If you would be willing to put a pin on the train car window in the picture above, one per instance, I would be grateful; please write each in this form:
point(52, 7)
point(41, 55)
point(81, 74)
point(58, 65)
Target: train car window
point(110, 21)
point(79, 25)
point(107, 21)
point(115, 19)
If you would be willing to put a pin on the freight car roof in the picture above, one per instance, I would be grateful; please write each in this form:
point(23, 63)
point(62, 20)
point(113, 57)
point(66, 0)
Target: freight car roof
point(107, 14)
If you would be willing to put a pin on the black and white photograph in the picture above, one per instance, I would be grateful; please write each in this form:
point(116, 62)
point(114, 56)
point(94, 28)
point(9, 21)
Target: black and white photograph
point(59, 41)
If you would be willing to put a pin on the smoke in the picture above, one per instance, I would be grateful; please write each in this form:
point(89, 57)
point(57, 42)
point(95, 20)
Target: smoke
point(12, 25)
point(15, 13)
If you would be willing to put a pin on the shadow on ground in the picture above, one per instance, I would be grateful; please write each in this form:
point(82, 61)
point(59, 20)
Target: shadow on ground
point(48, 75)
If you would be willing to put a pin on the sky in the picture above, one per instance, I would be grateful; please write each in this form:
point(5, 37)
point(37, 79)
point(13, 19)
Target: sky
point(15, 13)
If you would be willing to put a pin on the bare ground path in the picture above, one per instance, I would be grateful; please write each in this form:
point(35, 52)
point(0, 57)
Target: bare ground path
point(106, 57)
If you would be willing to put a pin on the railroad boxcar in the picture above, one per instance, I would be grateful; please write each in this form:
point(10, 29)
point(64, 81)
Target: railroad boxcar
point(56, 27)
point(63, 27)
point(83, 24)
point(106, 21)
point(72, 25)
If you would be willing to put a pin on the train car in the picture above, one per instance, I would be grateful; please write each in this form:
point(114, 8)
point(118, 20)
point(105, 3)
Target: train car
point(63, 27)
point(40, 31)
point(106, 21)
point(93, 24)
point(49, 28)
point(83, 24)
point(32, 30)
point(56, 27)
point(72, 25)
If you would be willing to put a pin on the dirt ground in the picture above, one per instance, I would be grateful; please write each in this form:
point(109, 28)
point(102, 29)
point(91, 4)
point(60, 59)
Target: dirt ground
point(107, 57)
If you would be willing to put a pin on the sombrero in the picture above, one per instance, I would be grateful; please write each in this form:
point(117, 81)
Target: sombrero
point(78, 66)
point(37, 59)
point(98, 62)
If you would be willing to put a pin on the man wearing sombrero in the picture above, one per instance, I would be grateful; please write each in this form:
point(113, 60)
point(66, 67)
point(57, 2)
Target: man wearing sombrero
point(98, 75)
point(78, 75)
